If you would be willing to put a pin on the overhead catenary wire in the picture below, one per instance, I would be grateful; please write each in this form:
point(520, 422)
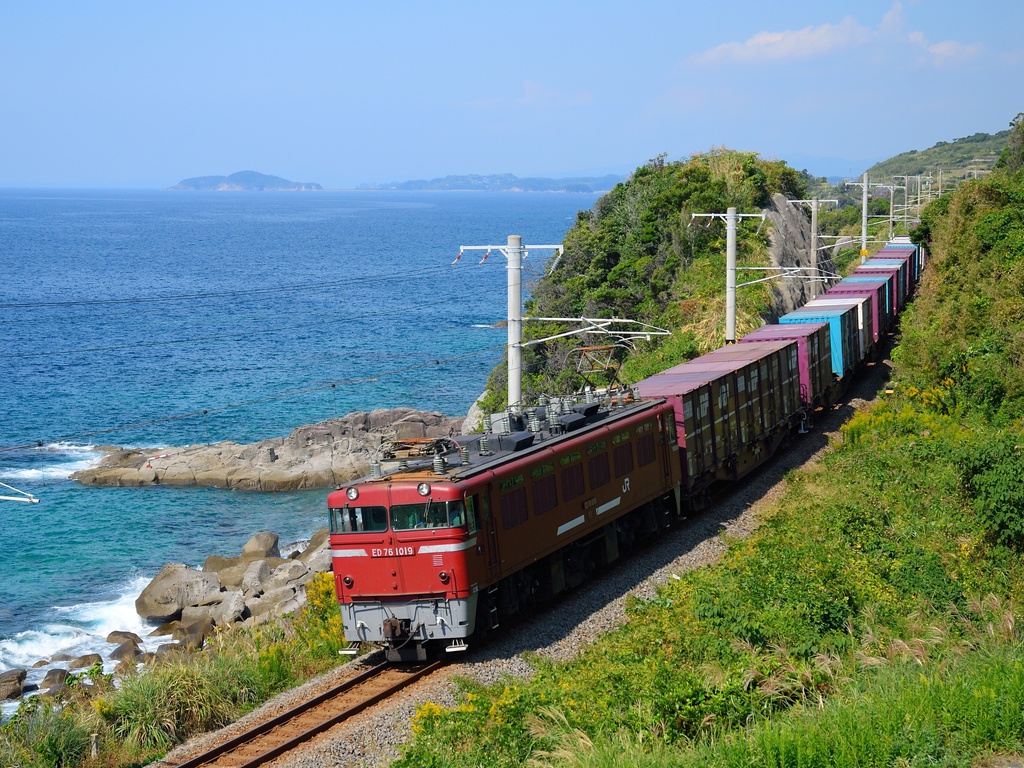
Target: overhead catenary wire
point(149, 343)
point(247, 403)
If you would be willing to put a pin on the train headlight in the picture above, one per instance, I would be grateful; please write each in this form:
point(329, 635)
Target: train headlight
point(347, 581)
point(352, 492)
point(423, 489)
point(443, 576)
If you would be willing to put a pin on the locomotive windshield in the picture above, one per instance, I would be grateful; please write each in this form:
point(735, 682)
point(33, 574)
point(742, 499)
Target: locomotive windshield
point(429, 514)
point(356, 519)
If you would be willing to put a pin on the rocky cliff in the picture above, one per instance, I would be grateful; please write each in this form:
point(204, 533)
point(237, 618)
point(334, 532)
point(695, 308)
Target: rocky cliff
point(788, 245)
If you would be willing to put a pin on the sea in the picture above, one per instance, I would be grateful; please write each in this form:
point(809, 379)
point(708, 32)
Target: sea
point(164, 318)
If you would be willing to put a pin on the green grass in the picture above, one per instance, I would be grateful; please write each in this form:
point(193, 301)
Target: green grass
point(170, 701)
point(853, 601)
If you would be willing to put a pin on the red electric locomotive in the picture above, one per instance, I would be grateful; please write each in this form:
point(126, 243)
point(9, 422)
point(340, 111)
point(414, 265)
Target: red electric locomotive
point(462, 532)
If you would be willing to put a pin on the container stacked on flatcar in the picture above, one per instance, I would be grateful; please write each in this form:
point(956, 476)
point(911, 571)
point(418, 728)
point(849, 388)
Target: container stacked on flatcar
point(461, 532)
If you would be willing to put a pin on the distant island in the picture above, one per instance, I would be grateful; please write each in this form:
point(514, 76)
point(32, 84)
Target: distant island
point(246, 181)
point(505, 182)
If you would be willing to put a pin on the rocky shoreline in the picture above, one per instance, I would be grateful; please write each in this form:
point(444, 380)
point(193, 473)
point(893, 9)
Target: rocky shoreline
point(258, 585)
point(315, 456)
point(189, 604)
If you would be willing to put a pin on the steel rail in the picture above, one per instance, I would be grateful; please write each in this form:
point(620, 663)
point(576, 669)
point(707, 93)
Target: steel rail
point(254, 735)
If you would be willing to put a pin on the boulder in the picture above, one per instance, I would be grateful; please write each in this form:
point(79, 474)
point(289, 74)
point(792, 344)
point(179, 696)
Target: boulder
point(84, 662)
point(231, 609)
point(261, 545)
point(127, 667)
point(127, 650)
point(320, 561)
point(166, 628)
point(168, 649)
point(254, 581)
point(272, 604)
point(317, 554)
point(230, 570)
point(293, 573)
point(320, 539)
point(12, 683)
point(53, 678)
point(119, 636)
point(174, 588)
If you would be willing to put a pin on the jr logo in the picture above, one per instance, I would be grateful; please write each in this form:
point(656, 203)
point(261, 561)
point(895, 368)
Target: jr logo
point(625, 485)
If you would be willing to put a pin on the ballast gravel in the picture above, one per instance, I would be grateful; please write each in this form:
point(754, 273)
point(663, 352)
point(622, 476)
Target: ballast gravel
point(559, 632)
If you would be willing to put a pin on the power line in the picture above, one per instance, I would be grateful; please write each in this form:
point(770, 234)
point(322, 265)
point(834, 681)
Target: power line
point(149, 343)
point(247, 403)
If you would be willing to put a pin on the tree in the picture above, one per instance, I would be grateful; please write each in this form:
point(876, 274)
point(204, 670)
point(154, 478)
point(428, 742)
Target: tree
point(1012, 156)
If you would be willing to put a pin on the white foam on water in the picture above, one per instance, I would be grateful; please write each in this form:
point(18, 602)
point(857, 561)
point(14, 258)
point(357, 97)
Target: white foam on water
point(76, 630)
point(102, 618)
point(57, 461)
point(26, 648)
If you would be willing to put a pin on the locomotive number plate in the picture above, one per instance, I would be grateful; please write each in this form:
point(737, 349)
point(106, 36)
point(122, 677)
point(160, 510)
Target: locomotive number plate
point(393, 552)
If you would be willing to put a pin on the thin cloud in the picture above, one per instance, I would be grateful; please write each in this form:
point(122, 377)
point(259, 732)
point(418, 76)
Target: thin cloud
point(828, 39)
point(947, 52)
point(789, 45)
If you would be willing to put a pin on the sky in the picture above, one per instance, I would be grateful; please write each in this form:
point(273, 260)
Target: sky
point(144, 94)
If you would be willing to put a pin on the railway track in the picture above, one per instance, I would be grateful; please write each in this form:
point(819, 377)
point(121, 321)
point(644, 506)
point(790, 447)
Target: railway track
point(273, 738)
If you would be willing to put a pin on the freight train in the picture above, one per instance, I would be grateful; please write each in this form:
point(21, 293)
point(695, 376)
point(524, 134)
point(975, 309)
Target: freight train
point(460, 533)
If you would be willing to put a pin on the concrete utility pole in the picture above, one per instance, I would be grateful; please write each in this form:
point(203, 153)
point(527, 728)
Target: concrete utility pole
point(814, 203)
point(514, 253)
point(863, 213)
point(730, 217)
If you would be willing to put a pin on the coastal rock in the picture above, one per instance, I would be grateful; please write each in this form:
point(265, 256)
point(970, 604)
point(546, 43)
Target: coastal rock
point(127, 650)
point(120, 636)
point(192, 636)
point(84, 662)
point(261, 545)
point(254, 588)
point(53, 679)
point(274, 603)
point(12, 683)
point(293, 573)
point(315, 456)
point(320, 559)
point(165, 629)
point(174, 588)
point(255, 578)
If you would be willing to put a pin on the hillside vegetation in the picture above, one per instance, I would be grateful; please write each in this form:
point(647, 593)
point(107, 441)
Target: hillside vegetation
point(638, 255)
point(959, 158)
point(871, 619)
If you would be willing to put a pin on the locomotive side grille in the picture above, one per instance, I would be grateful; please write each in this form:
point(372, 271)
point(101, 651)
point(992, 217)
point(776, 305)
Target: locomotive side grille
point(438, 561)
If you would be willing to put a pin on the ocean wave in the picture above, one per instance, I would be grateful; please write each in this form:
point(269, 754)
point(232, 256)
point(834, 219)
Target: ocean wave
point(26, 648)
point(77, 629)
point(53, 461)
point(103, 617)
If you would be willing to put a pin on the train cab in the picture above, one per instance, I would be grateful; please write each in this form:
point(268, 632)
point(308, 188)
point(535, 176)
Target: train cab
point(403, 554)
